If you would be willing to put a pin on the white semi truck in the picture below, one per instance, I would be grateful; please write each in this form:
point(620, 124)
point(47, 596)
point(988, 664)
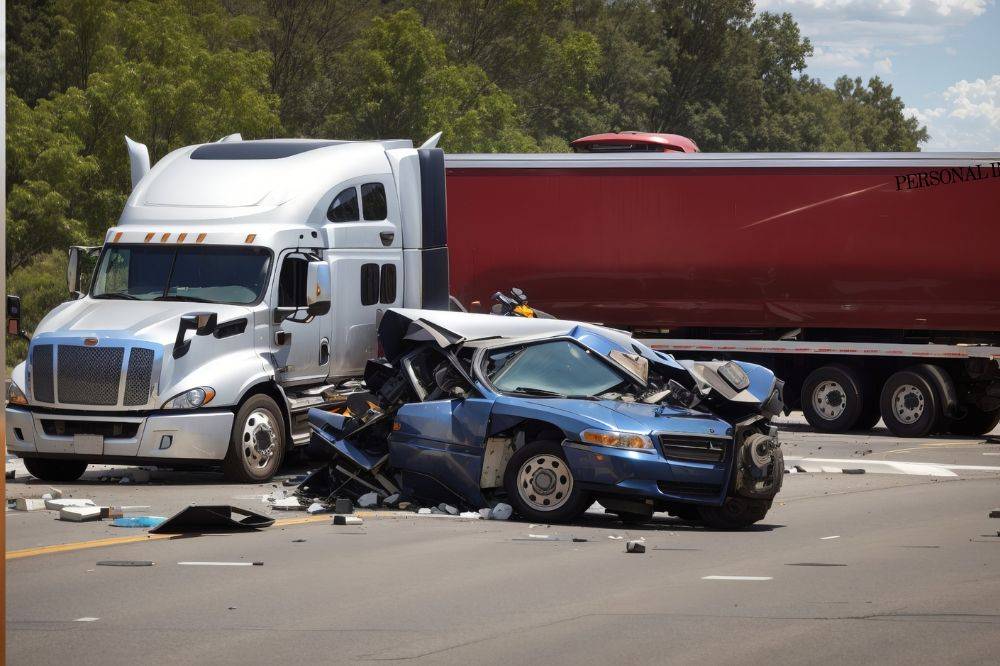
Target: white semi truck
point(241, 286)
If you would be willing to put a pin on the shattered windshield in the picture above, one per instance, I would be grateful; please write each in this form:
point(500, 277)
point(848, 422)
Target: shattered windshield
point(557, 369)
point(203, 274)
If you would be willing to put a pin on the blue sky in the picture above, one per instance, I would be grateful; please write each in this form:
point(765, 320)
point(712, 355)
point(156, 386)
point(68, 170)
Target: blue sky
point(942, 58)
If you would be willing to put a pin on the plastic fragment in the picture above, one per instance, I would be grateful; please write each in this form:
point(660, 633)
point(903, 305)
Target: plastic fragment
point(501, 512)
point(138, 521)
point(368, 500)
point(347, 520)
point(635, 547)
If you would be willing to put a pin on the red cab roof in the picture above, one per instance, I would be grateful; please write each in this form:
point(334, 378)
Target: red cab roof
point(634, 142)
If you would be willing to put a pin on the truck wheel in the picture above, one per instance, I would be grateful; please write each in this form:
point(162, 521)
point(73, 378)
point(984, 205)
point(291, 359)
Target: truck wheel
point(540, 484)
point(257, 443)
point(49, 469)
point(910, 404)
point(833, 398)
point(976, 422)
point(735, 513)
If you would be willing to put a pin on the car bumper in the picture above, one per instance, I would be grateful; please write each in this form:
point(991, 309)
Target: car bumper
point(647, 476)
point(201, 435)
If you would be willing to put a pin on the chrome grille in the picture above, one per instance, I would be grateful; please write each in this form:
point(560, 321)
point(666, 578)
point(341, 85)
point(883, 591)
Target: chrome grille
point(694, 449)
point(41, 374)
point(89, 375)
point(140, 371)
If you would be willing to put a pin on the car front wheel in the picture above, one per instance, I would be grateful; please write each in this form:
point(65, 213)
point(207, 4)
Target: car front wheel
point(540, 484)
point(736, 513)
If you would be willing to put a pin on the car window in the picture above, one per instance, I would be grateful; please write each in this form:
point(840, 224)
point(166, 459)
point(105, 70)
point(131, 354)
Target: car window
point(558, 367)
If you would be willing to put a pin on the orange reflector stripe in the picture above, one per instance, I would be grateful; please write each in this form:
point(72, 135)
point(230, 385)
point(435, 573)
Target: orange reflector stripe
point(149, 237)
point(250, 238)
point(201, 237)
point(164, 237)
point(118, 237)
point(180, 239)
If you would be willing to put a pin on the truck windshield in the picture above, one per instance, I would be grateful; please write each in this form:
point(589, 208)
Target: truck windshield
point(557, 369)
point(202, 274)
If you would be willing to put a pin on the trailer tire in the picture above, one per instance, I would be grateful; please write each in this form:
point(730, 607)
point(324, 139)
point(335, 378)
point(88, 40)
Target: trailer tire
point(537, 475)
point(833, 398)
point(54, 470)
point(976, 422)
point(736, 513)
point(910, 404)
point(257, 443)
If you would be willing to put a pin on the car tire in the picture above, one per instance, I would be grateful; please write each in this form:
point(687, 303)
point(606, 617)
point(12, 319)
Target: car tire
point(257, 443)
point(736, 513)
point(54, 470)
point(910, 404)
point(540, 485)
point(833, 398)
point(976, 422)
point(688, 514)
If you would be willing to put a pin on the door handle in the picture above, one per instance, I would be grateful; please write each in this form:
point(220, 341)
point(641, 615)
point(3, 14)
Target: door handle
point(282, 338)
point(324, 351)
point(387, 237)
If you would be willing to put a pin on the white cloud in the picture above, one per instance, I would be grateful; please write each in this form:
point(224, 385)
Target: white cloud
point(858, 35)
point(969, 118)
point(950, 50)
point(883, 66)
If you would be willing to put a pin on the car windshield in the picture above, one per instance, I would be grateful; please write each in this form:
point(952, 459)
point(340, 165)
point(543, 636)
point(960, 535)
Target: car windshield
point(202, 274)
point(550, 369)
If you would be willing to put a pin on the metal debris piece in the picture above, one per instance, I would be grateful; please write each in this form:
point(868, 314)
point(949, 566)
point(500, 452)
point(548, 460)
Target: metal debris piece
point(125, 563)
point(343, 505)
point(635, 547)
point(212, 518)
point(347, 520)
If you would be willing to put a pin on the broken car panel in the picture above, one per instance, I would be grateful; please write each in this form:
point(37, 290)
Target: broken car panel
point(551, 415)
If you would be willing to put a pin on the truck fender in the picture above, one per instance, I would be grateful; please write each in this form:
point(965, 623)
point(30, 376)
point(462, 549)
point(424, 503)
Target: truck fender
point(274, 391)
point(945, 385)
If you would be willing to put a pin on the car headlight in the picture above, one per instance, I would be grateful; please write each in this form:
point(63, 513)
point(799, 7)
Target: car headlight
point(620, 440)
point(15, 396)
point(734, 375)
point(191, 399)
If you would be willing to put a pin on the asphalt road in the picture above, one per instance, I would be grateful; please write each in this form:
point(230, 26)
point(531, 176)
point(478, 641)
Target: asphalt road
point(874, 567)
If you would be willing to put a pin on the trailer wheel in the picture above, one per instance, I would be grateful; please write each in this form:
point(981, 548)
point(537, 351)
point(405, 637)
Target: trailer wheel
point(540, 484)
point(911, 405)
point(833, 398)
point(735, 514)
point(976, 422)
point(47, 469)
point(257, 443)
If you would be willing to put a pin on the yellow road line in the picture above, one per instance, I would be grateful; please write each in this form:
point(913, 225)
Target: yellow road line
point(116, 541)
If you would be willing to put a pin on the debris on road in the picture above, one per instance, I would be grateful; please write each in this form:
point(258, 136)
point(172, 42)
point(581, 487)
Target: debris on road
point(206, 519)
point(138, 521)
point(368, 500)
point(995, 513)
point(79, 514)
point(474, 515)
point(222, 564)
point(125, 563)
point(58, 504)
point(288, 504)
point(858, 470)
point(317, 507)
point(343, 505)
point(448, 508)
point(10, 474)
point(30, 504)
point(347, 520)
point(501, 512)
point(635, 547)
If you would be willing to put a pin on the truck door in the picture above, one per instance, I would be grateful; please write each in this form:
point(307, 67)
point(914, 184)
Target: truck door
point(300, 344)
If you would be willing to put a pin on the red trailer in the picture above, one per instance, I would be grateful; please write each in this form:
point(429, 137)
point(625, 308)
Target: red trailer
point(868, 281)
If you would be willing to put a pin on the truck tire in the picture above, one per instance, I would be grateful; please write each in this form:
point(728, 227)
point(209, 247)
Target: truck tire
point(833, 398)
point(976, 422)
point(910, 404)
point(735, 513)
point(50, 469)
point(257, 443)
point(540, 485)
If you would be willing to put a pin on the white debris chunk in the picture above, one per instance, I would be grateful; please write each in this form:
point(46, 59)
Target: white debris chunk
point(59, 504)
point(55, 492)
point(79, 514)
point(29, 504)
point(347, 520)
point(485, 513)
point(474, 515)
point(287, 504)
point(448, 508)
point(424, 511)
point(501, 512)
point(316, 507)
point(368, 500)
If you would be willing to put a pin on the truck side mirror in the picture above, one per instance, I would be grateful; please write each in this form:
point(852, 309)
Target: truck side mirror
point(14, 317)
point(317, 288)
point(73, 271)
point(202, 323)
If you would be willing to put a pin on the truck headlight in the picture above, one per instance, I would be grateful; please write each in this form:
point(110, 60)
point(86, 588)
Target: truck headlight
point(15, 396)
point(191, 399)
point(620, 440)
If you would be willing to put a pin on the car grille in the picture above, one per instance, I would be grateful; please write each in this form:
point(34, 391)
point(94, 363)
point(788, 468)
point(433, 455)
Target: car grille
point(80, 375)
point(694, 449)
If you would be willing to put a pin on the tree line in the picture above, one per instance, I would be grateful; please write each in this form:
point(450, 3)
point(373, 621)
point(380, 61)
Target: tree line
point(493, 75)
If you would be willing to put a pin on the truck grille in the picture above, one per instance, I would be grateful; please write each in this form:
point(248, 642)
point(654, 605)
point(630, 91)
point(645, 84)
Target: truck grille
point(694, 449)
point(80, 375)
point(41, 374)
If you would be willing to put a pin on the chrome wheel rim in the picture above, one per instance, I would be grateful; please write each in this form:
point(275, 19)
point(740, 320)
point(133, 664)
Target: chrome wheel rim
point(908, 404)
point(260, 439)
point(544, 482)
point(829, 400)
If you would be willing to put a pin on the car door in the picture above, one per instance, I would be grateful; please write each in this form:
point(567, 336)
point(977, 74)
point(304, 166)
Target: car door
point(300, 344)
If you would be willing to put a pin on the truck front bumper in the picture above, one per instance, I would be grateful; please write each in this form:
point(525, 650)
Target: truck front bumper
point(188, 436)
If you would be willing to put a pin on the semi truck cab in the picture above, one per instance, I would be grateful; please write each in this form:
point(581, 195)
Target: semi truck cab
point(241, 286)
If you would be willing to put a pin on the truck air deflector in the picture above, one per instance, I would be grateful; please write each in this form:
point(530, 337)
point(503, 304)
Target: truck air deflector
point(257, 150)
point(432, 198)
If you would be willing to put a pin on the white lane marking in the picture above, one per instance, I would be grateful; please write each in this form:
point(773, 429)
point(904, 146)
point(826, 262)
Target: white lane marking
point(222, 564)
point(991, 454)
point(737, 578)
point(87, 619)
point(835, 536)
point(880, 466)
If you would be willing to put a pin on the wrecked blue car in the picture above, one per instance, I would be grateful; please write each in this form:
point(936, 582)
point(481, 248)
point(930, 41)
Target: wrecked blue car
point(549, 416)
